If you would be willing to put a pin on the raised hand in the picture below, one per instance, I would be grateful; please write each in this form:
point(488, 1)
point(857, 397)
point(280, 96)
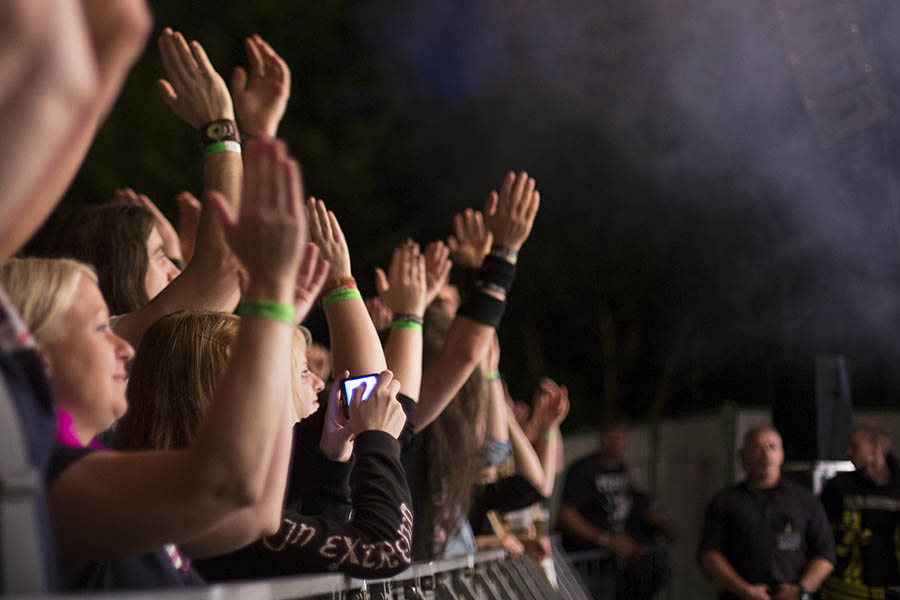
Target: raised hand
point(472, 241)
point(403, 288)
point(551, 405)
point(437, 269)
point(381, 314)
point(381, 411)
point(337, 436)
point(509, 215)
point(269, 235)
point(327, 235)
point(170, 240)
point(189, 209)
point(260, 99)
point(194, 90)
point(310, 278)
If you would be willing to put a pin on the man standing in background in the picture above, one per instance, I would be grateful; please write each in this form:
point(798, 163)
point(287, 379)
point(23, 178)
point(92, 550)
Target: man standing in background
point(864, 509)
point(766, 538)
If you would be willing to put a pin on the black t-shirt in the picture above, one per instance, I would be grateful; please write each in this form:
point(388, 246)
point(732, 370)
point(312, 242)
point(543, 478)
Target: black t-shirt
point(866, 521)
point(605, 497)
point(374, 542)
point(166, 567)
point(768, 536)
point(23, 374)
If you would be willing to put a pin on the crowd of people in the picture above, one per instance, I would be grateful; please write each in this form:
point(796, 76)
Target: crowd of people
point(166, 419)
point(171, 420)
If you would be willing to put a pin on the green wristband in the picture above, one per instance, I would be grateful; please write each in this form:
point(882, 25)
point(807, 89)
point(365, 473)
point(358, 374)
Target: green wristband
point(226, 146)
point(493, 376)
point(267, 309)
point(340, 296)
point(411, 325)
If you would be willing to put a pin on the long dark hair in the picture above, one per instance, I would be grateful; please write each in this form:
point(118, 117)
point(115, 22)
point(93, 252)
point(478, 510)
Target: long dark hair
point(113, 239)
point(451, 450)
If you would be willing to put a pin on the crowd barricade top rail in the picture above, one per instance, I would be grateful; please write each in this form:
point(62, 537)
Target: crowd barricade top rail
point(489, 575)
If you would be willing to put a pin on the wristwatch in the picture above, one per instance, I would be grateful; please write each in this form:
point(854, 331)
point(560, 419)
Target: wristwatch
point(805, 594)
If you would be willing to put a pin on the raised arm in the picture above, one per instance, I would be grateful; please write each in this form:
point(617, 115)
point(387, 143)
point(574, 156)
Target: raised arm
point(176, 496)
point(355, 346)
point(61, 69)
point(551, 405)
point(198, 95)
point(510, 218)
point(403, 291)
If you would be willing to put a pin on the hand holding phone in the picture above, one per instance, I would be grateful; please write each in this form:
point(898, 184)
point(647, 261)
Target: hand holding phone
point(349, 385)
point(381, 411)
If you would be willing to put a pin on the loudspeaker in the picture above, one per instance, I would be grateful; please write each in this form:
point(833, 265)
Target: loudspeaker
point(811, 407)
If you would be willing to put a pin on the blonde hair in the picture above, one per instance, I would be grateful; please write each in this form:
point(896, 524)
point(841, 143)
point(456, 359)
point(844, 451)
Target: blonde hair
point(43, 289)
point(175, 374)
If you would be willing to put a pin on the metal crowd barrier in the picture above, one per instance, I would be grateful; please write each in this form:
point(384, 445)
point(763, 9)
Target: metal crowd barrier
point(488, 575)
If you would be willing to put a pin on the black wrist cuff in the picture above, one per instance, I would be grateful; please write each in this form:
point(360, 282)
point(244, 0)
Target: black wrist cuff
point(483, 308)
point(498, 272)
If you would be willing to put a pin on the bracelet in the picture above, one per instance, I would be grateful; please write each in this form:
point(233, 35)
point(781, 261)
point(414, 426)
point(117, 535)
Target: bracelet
point(339, 296)
point(549, 434)
point(220, 130)
point(483, 307)
point(409, 317)
point(338, 282)
point(266, 309)
point(492, 376)
point(507, 254)
point(404, 324)
point(226, 146)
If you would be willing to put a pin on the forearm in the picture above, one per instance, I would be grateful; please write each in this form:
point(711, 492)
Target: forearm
point(497, 428)
point(466, 343)
point(721, 571)
point(237, 436)
point(548, 447)
point(355, 345)
point(209, 282)
point(528, 465)
point(571, 522)
point(815, 573)
point(403, 355)
point(72, 82)
point(249, 524)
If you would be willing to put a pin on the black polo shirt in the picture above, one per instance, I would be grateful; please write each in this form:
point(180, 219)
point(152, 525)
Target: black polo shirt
point(768, 536)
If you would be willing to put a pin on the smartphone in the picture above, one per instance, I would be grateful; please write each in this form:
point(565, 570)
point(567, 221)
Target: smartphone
point(349, 385)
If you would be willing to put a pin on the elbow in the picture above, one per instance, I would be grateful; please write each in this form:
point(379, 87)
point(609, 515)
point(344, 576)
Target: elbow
point(270, 522)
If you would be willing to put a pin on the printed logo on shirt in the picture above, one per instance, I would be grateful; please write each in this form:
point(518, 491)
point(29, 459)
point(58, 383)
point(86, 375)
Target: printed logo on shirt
point(343, 549)
point(788, 540)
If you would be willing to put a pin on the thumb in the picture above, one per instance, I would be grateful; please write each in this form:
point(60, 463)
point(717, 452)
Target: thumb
point(238, 80)
point(490, 207)
point(381, 282)
point(167, 92)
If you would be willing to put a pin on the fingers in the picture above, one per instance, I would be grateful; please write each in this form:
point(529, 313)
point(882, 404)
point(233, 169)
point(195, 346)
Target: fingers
point(254, 57)
point(505, 190)
point(274, 65)
point(201, 58)
point(533, 207)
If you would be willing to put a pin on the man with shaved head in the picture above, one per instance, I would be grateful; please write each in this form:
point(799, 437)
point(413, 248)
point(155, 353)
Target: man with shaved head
point(864, 509)
point(766, 538)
